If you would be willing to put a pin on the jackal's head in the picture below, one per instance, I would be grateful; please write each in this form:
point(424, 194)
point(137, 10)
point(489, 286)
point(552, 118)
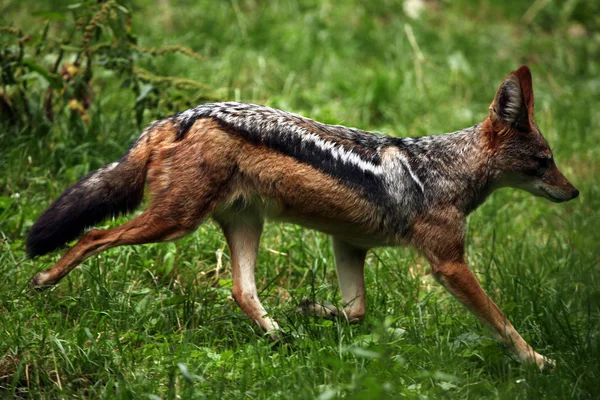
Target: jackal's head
point(522, 157)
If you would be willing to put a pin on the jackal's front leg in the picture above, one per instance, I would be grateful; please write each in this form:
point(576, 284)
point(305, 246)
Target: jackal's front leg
point(458, 279)
point(440, 236)
point(349, 262)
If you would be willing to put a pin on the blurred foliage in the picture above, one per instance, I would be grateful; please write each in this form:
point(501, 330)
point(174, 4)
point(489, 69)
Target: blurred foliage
point(47, 69)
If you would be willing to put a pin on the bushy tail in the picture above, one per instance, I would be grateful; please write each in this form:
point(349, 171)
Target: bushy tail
point(114, 189)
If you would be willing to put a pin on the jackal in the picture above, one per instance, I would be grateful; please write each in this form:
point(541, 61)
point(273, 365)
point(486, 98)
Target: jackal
point(242, 163)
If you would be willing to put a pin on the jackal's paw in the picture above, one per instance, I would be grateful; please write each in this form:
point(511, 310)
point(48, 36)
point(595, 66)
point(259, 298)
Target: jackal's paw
point(279, 338)
point(544, 363)
point(318, 309)
point(40, 282)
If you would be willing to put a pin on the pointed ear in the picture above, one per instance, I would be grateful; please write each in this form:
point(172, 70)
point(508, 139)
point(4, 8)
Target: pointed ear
point(524, 76)
point(513, 104)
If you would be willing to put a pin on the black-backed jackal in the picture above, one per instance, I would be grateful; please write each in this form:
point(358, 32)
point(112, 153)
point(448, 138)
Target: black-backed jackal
point(241, 164)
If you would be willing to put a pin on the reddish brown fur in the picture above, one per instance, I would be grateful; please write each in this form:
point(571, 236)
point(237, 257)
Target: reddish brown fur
point(439, 234)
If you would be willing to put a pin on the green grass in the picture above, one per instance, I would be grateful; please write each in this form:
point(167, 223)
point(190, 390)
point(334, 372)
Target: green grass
point(158, 320)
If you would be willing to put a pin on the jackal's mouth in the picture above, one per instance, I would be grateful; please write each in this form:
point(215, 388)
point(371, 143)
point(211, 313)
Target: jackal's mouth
point(558, 196)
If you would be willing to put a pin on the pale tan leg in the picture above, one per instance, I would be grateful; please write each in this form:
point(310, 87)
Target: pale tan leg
point(147, 228)
point(349, 262)
point(458, 279)
point(243, 237)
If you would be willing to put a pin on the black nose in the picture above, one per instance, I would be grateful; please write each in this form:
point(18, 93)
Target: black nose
point(574, 193)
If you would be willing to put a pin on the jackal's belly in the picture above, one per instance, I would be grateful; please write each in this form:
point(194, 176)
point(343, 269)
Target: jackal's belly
point(351, 233)
point(361, 228)
point(359, 225)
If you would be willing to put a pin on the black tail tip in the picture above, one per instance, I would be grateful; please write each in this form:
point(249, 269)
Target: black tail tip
point(33, 253)
point(33, 250)
point(40, 242)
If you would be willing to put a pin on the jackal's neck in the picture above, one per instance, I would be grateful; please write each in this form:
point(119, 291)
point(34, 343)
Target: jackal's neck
point(453, 167)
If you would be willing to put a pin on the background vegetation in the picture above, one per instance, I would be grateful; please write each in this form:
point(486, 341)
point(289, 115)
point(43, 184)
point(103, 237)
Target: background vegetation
point(80, 80)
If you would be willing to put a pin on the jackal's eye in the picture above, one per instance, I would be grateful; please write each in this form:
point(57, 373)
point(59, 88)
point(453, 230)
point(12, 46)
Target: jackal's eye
point(540, 166)
point(544, 162)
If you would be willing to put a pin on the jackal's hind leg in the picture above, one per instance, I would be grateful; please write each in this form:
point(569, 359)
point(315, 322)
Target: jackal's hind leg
point(243, 237)
point(349, 262)
point(149, 227)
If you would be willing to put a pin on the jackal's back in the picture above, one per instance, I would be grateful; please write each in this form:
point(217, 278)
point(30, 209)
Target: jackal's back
point(351, 155)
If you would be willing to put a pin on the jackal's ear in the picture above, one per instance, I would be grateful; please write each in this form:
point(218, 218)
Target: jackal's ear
point(513, 104)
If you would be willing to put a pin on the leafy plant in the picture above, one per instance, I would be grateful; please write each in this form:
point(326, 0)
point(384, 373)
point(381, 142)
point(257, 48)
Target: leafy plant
point(48, 73)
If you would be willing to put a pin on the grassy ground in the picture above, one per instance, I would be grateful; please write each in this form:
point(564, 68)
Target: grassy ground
point(158, 320)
